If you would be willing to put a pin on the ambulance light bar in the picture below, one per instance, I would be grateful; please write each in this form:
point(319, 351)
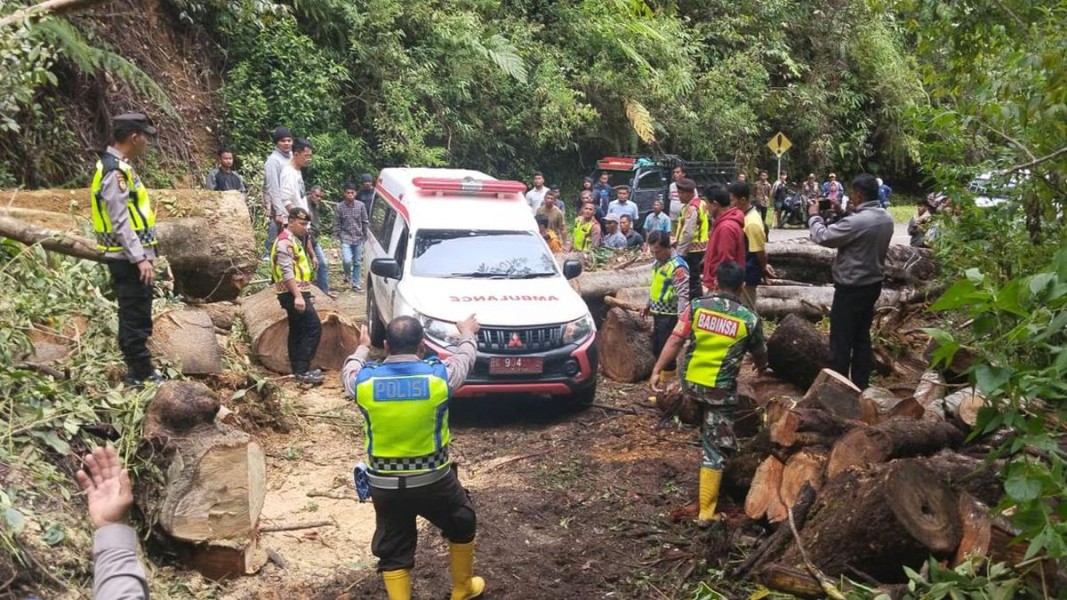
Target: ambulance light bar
point(468, 184)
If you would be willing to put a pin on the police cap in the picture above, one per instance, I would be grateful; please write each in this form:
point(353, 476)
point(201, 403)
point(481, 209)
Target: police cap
point(297, 212)
point(136, 122)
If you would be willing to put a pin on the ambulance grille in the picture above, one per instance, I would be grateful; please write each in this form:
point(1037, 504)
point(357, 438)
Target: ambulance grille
point(519, 340)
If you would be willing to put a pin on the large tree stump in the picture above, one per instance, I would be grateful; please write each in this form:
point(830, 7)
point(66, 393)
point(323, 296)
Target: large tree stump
point(186, 337)
point(206, 237)
point(878, 519)
point(215, 481)
point(625, 343)
point(797, 351)
point(895, 438)
point(268, 327)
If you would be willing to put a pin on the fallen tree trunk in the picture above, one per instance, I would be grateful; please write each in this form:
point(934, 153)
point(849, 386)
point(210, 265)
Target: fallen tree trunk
point(814, 302)
point(803, 260)
point(877, 519)
point(594, 285)
point(806, 426)
point(215, 481)
point(965, 473)
point(206, 237)
point(186, 337)
point(632, 299)
point(625, 346)
point(797, 351)
point(895, 438)
point(268, 328)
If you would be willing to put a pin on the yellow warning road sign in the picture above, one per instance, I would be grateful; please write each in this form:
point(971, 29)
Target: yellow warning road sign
point(779, 144)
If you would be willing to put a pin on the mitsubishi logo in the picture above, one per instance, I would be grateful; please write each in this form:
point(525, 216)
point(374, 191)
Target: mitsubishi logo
point(515, 342)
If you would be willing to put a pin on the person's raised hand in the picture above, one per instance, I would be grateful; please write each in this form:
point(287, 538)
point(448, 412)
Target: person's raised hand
point(813, 208)
point(146, 272)
point(469, 326)
point(107, 487)
point(364, 336)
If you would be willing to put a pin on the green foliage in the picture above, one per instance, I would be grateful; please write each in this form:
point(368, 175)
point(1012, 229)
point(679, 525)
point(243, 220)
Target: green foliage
point(25, 64)
point(999, 582)
point(1019, 330)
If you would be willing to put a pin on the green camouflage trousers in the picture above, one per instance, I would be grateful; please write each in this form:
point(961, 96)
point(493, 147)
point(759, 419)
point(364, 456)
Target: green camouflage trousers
point(717, 436)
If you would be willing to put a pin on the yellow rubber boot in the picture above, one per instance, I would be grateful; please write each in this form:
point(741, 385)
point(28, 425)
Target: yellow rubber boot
point(398, 584)
point(464, 584)
point(710, 479)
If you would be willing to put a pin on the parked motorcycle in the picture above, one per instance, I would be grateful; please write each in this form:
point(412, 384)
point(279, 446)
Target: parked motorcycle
point(794, 211)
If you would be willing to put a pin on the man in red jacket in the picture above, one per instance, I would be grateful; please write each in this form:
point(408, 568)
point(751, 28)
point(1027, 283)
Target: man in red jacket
point(727, 240)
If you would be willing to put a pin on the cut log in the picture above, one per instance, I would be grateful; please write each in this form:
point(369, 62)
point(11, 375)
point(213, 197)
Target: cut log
point(965, 473)
point(625, 346)
point(963, 406)
point(215, 480)
point(802, 260)
point(875, 520)
point(976, 526)
point(791, 580)
point(833, 392)
point(876, 403)
point(673, 403)
point(186, 337)
point(788, 429)
point(206, 237)
point(594, 285)
point(633, 299)
point(773, 545)
point(908, 408)
point(268, 327)
point(766, 386)
point(813, 303)
point(797, 351)
point(895, 438)
point(763, 497)
point(929, 394)
point(806, 467)
point(222, 314)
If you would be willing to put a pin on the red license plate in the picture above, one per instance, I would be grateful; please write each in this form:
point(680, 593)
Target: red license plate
point(515, 364)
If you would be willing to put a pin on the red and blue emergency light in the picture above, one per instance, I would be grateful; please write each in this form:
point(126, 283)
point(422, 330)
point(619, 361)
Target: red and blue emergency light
point(469, 185)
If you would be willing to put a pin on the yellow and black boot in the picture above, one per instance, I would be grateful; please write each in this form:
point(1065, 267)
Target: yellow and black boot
point(710, 480)
point(397, 584)
point(464, 584)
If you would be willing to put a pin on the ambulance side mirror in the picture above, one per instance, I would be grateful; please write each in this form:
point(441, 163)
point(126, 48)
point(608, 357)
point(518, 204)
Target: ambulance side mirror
point(571, 268)
point(387, 267)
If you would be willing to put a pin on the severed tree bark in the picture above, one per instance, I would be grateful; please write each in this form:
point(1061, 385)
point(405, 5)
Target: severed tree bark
point(797, 351)
point(215, 481)
point(268, 327)
point(625, 343)
point(763, 497)
point(978, 478)
point(877, 519)
point(895, 438)
point(976, 524)
point(187, 337)
point(205, 236)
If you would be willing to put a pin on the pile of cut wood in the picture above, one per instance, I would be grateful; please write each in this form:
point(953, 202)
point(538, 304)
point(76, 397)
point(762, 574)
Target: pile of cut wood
point(875, 481)
point(803, 290)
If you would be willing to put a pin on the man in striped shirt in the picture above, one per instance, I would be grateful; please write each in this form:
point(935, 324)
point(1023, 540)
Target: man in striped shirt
point(350, 226)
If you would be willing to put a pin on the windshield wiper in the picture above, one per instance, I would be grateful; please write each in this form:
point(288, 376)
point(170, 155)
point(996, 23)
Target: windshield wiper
point(478, 275)
point(532, 275)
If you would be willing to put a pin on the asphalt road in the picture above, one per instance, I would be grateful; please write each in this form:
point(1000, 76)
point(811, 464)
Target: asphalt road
point(900, 234)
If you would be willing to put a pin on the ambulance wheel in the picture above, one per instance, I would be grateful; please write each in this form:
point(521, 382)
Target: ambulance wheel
point(374, 320)
point(584, 397)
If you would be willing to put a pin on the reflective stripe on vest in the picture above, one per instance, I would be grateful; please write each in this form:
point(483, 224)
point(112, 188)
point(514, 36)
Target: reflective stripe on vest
point(142, 217)
point(582, 235)
point(405, 416)
point(662, 297)
point(714, 333)
point(301, 264)
point(700, 235)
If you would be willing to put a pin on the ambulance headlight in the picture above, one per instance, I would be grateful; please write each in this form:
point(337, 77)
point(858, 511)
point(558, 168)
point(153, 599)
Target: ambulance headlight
point(578, 329)
point(442, 333)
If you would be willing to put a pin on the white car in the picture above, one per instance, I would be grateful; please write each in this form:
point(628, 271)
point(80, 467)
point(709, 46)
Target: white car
point(991, 189)
point(446, 243)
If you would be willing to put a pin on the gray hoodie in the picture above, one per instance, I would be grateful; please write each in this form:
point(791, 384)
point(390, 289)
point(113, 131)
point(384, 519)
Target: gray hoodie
point(272, 178)
point(862, 240)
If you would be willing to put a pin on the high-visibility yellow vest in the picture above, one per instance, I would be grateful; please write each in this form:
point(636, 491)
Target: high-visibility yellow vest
point(700, 236)
point(301, 264)
point(662, 297)
point(719, 333)
point(142, 218)
point(405, 416)
point(582, 233)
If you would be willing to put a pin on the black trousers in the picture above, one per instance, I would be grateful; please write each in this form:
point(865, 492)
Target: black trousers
point(662, 326)
point(135, 316)
point(443, 503)
point(305, 330)
point(850, 331)
point(695, 260)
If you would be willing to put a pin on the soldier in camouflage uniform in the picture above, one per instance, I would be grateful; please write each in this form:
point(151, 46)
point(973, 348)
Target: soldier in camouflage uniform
point(720, 331)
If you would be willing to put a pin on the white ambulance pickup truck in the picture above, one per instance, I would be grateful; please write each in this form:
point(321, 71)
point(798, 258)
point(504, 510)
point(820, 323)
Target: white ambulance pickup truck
point(446, 243)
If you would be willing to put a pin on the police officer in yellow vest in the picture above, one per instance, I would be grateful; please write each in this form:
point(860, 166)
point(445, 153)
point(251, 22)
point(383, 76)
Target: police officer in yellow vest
point(668, 296)
point(691, 235)
point(404, 401)
point(720, 331)
point(291, 272)
point(125, 229)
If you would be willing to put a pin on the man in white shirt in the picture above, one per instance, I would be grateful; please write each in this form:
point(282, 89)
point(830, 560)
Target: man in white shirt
point(536, 196)
point(292, 193)
point(272, 172)
point(621, 205)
